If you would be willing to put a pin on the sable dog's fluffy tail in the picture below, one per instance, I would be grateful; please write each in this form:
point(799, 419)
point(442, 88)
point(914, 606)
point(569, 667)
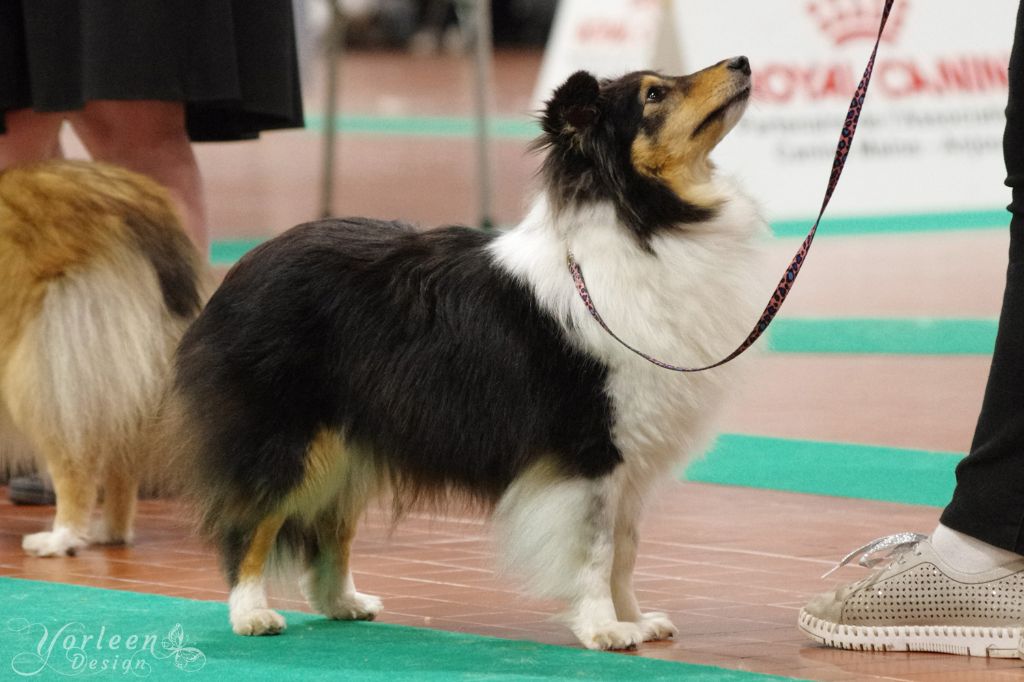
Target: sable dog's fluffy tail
point(100, 283)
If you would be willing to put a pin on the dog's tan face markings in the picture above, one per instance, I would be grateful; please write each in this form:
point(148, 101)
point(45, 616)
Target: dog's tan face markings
point(684, 118)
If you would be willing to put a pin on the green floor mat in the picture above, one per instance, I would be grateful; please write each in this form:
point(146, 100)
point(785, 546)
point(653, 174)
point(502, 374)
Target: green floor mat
point(879, 336)
point(55, 631)
point(867, 472)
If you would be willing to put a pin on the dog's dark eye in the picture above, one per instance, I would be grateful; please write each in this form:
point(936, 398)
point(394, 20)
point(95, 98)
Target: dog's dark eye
point(655, 94)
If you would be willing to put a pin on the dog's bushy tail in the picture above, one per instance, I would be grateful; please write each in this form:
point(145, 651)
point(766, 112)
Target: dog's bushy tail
point(107, 284)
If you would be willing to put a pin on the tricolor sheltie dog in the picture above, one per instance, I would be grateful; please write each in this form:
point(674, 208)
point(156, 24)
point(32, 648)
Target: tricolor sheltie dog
point(97, 284)
point(350, 359)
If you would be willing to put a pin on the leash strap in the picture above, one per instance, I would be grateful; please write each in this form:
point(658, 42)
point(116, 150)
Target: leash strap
point(789, 277)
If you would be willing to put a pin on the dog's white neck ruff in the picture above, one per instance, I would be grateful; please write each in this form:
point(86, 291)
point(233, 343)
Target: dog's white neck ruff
point(690, 299)
point(687, 298)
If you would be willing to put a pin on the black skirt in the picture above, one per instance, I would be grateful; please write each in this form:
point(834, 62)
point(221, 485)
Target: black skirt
point(232, 62)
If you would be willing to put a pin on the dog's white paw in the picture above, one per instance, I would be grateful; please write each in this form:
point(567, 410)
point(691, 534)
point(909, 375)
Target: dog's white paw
point(657, 626)
point(57, 542)
point(356, 606)
point(256, 622)
point(610, 635)
point(100, 533)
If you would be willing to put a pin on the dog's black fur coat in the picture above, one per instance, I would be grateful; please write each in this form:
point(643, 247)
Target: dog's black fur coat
point(361, 327)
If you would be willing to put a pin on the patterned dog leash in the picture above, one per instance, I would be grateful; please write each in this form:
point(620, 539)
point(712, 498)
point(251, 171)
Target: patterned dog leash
point(786, 283)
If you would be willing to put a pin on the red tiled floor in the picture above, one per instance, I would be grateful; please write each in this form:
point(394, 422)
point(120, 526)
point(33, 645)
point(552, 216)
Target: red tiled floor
point(732, 583)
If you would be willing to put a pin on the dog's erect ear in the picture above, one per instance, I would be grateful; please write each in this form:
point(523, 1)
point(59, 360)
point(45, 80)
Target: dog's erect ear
point(573, 109)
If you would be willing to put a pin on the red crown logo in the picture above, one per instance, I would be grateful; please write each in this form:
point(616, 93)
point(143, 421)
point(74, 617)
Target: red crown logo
point(847, 20)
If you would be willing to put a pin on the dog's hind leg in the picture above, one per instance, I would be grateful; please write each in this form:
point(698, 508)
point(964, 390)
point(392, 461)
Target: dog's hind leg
point(75, 488)
point(246, 558)
point(653, 625)
point(328, 583)
point(338, 480)
point(120, 489)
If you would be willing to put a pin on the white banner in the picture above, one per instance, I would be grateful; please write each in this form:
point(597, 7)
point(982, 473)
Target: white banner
point(930, 136)
point(607, 38)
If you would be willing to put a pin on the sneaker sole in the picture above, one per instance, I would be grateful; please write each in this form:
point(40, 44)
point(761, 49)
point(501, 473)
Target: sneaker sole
point(997, 642)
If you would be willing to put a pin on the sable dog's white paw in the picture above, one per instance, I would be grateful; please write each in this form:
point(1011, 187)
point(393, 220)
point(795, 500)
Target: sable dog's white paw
point(58, 542)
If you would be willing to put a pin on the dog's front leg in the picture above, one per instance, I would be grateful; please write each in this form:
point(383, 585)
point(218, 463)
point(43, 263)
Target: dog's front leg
point(653, 625)
point(594, 617)
point(557, 534)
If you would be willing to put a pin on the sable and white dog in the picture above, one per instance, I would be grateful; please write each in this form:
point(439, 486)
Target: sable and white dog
point(347, 359)
point(97, 284)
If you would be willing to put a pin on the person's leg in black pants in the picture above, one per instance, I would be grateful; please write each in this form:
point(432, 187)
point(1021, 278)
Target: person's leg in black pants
point(988, 503)
point(960, 591)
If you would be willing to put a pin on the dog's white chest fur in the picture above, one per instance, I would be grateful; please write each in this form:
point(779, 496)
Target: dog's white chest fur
point(689, 300)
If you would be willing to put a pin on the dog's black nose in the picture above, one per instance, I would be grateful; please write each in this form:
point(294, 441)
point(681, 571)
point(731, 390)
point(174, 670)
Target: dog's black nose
point(741, 64)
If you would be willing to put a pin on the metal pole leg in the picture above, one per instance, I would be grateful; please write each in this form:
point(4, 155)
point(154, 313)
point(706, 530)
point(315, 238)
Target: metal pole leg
point(483, 64)
point(335, 44)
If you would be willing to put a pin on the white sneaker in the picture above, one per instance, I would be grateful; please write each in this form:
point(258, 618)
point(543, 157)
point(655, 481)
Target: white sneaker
point(920, 603)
